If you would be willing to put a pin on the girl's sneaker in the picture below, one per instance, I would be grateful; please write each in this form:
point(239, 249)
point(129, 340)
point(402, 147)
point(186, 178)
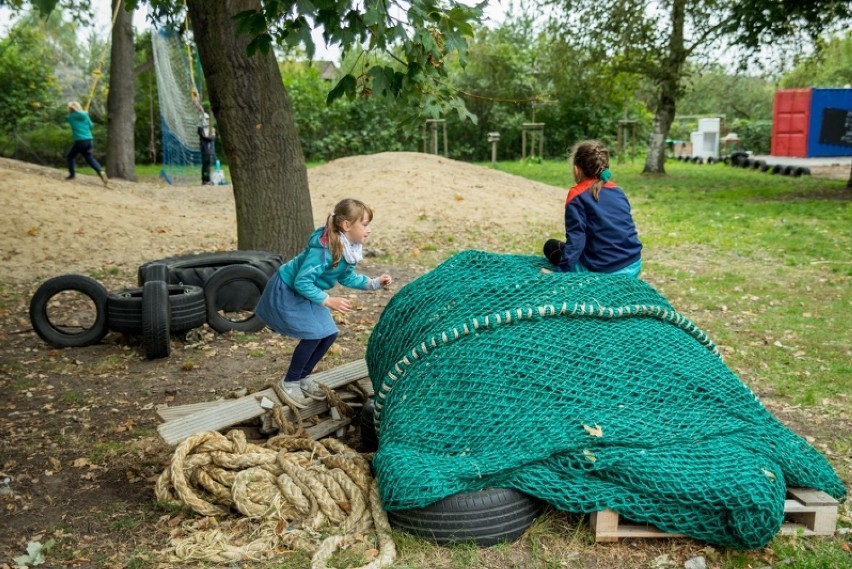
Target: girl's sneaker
point(293, 393)
point(312, 389)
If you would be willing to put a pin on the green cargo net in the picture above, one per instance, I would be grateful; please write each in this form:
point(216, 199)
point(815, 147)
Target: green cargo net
point(588, 391)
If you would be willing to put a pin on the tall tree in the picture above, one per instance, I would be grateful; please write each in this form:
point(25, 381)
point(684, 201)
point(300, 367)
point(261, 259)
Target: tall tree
point(655, 39)
point(121, 110)
point(255, 119)
point(235, 40)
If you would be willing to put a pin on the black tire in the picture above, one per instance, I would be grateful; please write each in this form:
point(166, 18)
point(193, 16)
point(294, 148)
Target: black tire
point(697, 160)
point(737, 158)
point(219, 316)
point(154, 272)
point(798, 171)
point(777, 169)
point(486, 517)
point(764, 167)
point(155, 320)
point(759, 165)
point(804, 171)
point(369, 441)
point(197, 268)
point(187, 309)
point(61, 335)
point(711, 160)
point(746, 162)
point(788, 170)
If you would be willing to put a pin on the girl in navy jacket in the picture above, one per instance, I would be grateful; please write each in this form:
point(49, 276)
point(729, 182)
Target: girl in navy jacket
point(600, 235)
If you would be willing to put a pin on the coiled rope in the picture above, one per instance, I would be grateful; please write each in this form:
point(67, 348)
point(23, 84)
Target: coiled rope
point(294, 494)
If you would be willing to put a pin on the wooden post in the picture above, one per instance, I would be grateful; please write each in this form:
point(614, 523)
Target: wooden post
point(536, 130)
point(432, 125)
point(493, 137)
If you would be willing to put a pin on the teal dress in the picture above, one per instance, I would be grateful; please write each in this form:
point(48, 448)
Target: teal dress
point(291, 303)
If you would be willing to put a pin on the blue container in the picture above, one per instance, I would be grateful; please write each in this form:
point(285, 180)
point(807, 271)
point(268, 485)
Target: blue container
point(830, 126)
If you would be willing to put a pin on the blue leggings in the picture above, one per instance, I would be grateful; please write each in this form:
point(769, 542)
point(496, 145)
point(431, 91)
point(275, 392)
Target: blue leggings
point(83, 147)
point(306, 356)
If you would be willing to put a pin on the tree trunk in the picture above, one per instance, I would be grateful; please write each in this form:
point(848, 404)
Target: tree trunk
point(663, 118)
point(255, 124)
point(669, 81)
point(121, 113)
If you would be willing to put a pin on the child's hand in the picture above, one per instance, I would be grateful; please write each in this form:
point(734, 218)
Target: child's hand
point(385, 280)
point(337, 303)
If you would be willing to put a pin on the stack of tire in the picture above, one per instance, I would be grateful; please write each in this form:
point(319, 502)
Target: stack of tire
point(174, 295)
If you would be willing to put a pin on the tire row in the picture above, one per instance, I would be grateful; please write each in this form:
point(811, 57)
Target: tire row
point(742, 160)
point(174, 295)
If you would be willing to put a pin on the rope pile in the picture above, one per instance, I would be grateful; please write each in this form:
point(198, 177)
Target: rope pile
point(588, 391)
point(294, 494)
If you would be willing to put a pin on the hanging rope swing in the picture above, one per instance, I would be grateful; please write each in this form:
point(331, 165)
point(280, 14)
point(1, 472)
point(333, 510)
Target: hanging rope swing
point(98, 72)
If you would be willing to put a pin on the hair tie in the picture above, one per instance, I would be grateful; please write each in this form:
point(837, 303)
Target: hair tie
point(605, 175)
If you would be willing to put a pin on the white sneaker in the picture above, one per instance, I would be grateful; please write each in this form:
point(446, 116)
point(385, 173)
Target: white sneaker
point(312, 389)
point(293, 392)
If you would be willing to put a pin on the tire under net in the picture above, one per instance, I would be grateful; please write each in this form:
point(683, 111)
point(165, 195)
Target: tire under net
point(83, 319)
point(487, 517)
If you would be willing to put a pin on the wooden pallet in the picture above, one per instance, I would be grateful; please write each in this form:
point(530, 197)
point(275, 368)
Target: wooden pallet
point(806, 512)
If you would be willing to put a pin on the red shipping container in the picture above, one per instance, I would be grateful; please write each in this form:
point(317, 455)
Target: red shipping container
point(790, 118)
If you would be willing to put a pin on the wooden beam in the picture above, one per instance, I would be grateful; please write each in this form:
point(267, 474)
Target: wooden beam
point(235, 411)
point(171, 413)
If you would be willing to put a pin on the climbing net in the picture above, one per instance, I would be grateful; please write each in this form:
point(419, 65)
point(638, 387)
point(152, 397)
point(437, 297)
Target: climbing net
point(588, 391)
point(180, 110)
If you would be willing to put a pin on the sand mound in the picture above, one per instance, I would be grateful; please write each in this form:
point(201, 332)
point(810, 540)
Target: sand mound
point(49, 226)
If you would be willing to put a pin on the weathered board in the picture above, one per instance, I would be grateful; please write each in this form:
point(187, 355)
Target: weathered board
point(234, 411)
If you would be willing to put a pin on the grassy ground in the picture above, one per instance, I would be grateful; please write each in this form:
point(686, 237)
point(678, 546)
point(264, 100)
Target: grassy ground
point(763, 264)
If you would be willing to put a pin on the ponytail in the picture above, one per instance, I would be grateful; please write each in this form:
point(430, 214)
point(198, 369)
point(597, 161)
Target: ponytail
point(346, 210)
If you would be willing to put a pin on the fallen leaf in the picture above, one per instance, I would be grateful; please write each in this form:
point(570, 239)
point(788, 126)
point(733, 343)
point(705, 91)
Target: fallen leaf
point(595, 431)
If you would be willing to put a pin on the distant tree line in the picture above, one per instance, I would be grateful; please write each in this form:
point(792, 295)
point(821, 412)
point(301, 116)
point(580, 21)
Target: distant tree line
point(515, 74)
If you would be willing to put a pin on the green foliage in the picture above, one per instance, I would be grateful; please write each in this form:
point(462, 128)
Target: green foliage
point(755, 23)
point(27, 78)
point(344, 127)
point(714, 91)
point(419, 35)
point(755, 136)
point(830, 66)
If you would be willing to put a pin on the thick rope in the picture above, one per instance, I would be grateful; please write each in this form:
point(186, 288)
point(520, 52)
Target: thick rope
point(98, 73)
point(291, 494)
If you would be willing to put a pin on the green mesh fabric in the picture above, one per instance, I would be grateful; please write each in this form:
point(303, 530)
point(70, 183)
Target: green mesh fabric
point(589, 391)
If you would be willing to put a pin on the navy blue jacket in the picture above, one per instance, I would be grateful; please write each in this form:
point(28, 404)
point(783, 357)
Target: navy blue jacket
point(599, 234)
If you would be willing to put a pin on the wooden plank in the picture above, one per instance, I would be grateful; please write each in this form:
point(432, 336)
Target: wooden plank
point(811, 497)
point(234, 411)
point(326, 427)
point(172, 413)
